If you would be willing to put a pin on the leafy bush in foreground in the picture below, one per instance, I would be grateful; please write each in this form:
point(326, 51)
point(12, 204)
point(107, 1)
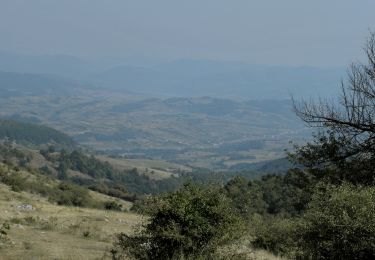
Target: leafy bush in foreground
point(189, 223)
point(274, 234)
point(339, 224)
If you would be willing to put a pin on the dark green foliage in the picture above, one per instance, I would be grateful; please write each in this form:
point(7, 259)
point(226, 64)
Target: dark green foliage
point(304, 220)
point(272, 166)
point(274, 234)
point(4, 229)
point(130, 247)
point(33, 134)
point(146, 205)
point(112, 205)
point(16, 181)
point(117, 191)
point(45, 154)
point(287, 194)
point(247, 197)
point(89, 165)
point(272, 206)
point(330, 159)
point(273, 194)
point(62, 171)
point(142, 184)
point(339, 224)
point(106, 179)
point(9, 153)
point(45, 170)
point(72, 195)
point(131, 180)
point(188, 223)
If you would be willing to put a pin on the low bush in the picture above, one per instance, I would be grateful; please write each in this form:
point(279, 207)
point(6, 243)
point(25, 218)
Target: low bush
point(339, 224)
point(274, 234)
point(189, 223)
point(15, 180)
point(112, 205)
point(72, 195)
point(4, 229)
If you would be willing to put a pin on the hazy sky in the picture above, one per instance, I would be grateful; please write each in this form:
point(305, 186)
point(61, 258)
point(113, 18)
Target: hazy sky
point(297, 32)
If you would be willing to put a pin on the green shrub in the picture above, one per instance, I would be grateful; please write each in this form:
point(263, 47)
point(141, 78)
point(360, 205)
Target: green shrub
point(189, 223)
point(86, 233)
point(112, 205)
point(146, 205)
point(339, 224)
point(4, 229)
point(45, 170)
point(72, 195)
point(274, 234)
point(247, 197)
point(15, 180)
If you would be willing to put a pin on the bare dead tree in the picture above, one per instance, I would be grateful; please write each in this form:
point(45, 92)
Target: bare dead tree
point(352, 118)
point(344, 147)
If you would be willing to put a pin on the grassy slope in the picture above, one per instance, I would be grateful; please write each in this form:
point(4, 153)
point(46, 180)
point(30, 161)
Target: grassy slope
point(60, 232)
point(160, 169)
point(57, 232)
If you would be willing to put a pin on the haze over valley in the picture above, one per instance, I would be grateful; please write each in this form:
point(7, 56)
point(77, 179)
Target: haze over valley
point(201, 131)
point(169, 130)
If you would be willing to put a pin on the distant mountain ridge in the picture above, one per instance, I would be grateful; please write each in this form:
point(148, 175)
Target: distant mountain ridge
point(62, 65)
point(21, 84)
point(184, 78)
point(222, 79)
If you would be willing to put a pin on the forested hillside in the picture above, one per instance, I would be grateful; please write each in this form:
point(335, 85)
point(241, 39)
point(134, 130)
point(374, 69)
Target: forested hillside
point(33, 134)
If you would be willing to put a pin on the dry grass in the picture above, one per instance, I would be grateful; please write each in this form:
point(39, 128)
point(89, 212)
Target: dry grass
point(58, 232)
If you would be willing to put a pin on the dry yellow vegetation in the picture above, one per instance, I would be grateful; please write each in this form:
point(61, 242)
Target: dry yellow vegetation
point(58, 232)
